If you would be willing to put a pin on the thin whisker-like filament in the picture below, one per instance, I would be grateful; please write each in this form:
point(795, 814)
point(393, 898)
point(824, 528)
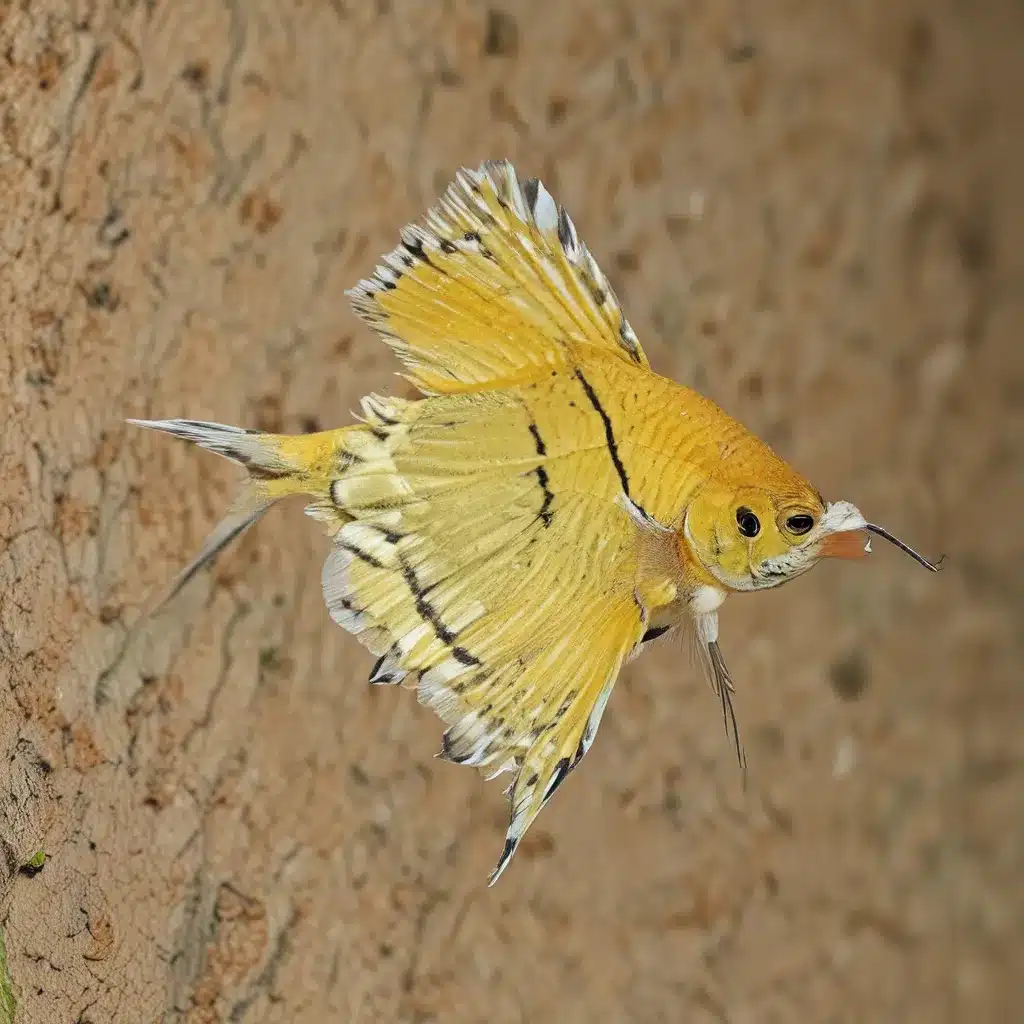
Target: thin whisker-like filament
point(934, 566)
point(722, 682)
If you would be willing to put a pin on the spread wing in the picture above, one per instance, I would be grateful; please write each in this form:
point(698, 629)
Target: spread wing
point(493, 286)
point(497, 578)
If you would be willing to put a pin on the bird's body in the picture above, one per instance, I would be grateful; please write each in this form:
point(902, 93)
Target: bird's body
point(508, 541)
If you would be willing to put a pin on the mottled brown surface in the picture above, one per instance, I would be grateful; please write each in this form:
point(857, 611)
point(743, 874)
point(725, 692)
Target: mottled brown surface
point(812, 210)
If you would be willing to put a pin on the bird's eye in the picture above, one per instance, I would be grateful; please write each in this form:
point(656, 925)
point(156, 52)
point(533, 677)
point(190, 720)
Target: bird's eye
point(799, 524)
point(749, 524)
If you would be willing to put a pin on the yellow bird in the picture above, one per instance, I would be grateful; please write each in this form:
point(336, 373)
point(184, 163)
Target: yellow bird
point(507, 542)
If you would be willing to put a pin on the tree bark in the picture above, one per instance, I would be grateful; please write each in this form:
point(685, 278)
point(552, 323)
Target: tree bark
point(812, 212)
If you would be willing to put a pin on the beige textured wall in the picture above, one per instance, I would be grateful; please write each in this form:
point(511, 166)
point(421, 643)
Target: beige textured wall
point(811, 210)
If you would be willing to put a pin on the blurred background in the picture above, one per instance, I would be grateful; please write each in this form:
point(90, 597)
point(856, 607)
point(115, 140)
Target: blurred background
point(811, 211)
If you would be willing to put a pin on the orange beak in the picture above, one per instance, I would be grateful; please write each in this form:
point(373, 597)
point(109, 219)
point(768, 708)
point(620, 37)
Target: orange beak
point(848, 544)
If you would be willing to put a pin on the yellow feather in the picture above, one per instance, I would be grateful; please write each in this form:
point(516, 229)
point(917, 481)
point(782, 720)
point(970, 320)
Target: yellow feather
point(505, 544)
point(494, 286)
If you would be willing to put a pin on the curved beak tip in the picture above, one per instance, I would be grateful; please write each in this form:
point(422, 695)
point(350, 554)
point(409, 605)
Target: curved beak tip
point(892, 539)
point(844, 523)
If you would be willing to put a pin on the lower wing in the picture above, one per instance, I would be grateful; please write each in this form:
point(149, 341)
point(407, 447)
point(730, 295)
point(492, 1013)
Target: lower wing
point(502, 589)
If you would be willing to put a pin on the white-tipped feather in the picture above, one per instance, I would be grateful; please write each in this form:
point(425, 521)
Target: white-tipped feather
point(493, 252)
point(245, 447)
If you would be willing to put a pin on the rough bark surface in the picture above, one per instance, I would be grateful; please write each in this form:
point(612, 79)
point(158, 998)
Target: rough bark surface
point(811, 210)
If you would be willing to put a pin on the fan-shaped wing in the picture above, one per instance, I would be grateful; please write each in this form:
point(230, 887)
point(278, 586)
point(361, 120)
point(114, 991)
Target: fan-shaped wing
point(494, 574)
point(495, 285)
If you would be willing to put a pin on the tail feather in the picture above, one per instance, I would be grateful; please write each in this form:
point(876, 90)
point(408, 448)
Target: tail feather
point(277, 466)
point(233, 525)
point(249, 448)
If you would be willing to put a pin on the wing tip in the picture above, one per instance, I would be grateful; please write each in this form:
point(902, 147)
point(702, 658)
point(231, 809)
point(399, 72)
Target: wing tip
point(506, 855)
point(456, 228)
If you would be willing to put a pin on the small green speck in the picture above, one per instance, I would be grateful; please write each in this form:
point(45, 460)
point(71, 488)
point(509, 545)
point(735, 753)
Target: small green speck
point(34, 864)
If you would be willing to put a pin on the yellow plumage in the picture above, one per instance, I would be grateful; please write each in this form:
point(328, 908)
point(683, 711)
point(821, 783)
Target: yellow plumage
point(506, 543)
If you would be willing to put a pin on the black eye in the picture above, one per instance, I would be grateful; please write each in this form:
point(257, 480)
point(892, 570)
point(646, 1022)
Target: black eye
point(799, 524)
point(749, 524)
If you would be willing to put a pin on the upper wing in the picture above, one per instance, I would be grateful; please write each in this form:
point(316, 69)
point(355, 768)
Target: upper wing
point(499, 580)
point(493, 286)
